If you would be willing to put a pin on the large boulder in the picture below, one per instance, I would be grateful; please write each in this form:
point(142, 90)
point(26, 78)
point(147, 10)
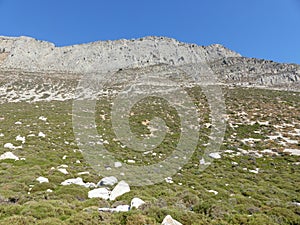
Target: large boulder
point(168, 220)
point(121, 188)
point(107, 181)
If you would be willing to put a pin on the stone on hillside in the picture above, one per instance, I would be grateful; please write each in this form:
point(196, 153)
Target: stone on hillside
point(118, 164)
point(99, 193)
point(136, 203)
point(78, 181)
point(9, 145)
point(42, 180)
point(63, 170)
point(121, 188)
point(122, 208)
point(203, 162)
point(42, 118)
point(168, 220)
point(119, 208)
point(8, 155)
point(169, 180)
point(41, 134)
point(20, 138)
point(215, 155)
point(107, 181)
point(213, 191)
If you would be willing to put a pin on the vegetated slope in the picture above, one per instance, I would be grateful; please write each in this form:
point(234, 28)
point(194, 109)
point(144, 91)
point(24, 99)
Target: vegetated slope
point(254, 182)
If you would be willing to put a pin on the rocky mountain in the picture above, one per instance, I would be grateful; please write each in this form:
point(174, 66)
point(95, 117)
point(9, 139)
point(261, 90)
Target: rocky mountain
point(39, 70)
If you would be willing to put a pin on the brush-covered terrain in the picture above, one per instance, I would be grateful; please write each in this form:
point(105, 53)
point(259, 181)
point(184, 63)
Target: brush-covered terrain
point(256, 180)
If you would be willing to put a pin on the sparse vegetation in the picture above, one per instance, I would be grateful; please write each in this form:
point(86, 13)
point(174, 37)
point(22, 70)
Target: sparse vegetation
point(244, 197)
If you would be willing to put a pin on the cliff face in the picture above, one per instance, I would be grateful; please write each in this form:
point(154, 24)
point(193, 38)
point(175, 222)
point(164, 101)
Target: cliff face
point(31, 69)
point(28, 54)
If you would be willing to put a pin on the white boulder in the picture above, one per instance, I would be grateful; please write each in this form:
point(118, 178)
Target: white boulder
point(63, 170)
point(119, 208)
point(215, 155)
point(99, 193)
point(42, 180)
point(9, 145)
point(20, 138)
point(136, 203)
point(8, 155)
point(41, 134)
point(108, 181)
point(122, 208)
point(78, 181)
point(121, 188)
point(168, 220)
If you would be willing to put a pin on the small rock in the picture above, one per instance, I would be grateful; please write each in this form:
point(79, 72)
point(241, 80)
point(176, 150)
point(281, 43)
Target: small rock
point(136, 203)
point(42, 180)
point(118, 164)
point(63, 170)
point(41, 134)
point(122, 208)
point(254, 171)
point(83, 173)
point(78, 181)
point(296, 203)
point(20, 138)
point(105, 209)
point(99, 193)
point(42, 118)
point(121, 188)
point(107, 181)
point(213, 191)
point(8, 155)
point(9, 145)
point(215, 155)
point(168, 220)
point(169, 180)
point(202, 162)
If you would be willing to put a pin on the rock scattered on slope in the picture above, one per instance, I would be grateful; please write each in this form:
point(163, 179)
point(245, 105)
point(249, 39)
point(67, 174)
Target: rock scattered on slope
point(215, 155)
point(119, 208)
point(136, 203)
point(168, 220)
point(9, 155)
point(121, 188)
point(11, 146)
point(107, 181)
point(99, 193)
point(42, 180)
point(78, 181)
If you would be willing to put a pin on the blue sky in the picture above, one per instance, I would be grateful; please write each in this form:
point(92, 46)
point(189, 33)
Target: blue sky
point(268, 29)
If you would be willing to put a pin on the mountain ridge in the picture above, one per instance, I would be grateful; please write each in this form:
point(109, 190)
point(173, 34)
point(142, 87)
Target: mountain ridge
point(25, 54)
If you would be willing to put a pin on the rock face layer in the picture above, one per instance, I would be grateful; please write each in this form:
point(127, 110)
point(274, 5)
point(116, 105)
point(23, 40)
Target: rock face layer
point(28, 54)
point(38, 70)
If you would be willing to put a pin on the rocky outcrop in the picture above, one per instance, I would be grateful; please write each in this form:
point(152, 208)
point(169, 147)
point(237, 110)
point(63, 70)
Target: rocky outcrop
point(28, 54)
point(257, 72)
point(39, 70)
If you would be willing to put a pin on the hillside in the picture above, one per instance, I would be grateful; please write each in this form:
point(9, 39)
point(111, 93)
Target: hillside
point(199, 133)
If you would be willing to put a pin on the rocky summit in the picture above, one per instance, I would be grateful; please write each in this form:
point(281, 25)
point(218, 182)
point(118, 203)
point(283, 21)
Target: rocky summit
point(146, 131)
point(52, 71)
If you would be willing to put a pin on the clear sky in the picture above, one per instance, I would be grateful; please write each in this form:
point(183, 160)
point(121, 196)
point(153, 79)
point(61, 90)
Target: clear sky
point(268, 29)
